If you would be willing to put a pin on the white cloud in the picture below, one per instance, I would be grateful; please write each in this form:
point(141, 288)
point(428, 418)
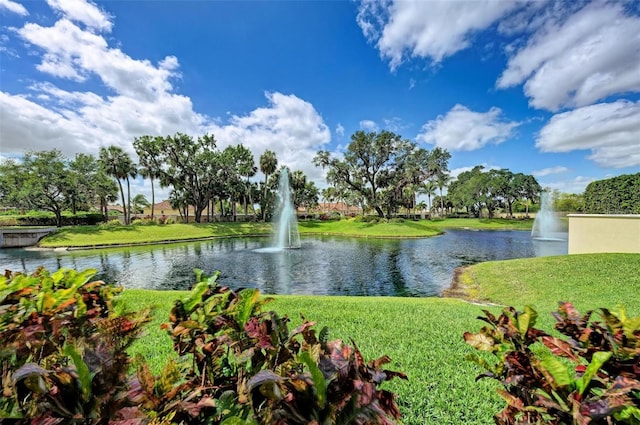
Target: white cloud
point(426, 29)
point(142, 102)
point(464, 130)
point(550, 171)
point(368, 125)
point(14, 7)
point(83, 121)
point(76, 54)
point(340, 130)
point(574, 62)
point(84, 12)
point(394, 124)
point(289, 126)
point(610, 130)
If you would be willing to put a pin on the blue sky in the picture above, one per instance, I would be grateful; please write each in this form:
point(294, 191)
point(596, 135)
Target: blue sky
point(541, 87)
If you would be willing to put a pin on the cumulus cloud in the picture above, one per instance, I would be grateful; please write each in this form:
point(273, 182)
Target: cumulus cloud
point(13, 7)
point(611, 131)
point(289, 126)
point(340, 130)
point(550, 171)
point(84, 12)
point(575, 61)
point(76, 54)
point(426, 29)
point(464, 130)
point(395, 124)
point(368, 125)
point(139, 100)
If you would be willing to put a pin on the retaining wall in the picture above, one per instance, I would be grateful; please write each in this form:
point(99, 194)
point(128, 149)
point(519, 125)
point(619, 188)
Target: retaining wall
point(21, 237)
point(593, 233)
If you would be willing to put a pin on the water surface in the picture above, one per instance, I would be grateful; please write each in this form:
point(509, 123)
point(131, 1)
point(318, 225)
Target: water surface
point(323, 265)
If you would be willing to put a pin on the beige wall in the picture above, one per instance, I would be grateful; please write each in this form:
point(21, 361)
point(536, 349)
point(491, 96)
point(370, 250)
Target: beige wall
point(591, 233)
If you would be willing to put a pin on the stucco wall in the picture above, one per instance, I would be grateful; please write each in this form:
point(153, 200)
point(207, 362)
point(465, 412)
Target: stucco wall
point(591, 233)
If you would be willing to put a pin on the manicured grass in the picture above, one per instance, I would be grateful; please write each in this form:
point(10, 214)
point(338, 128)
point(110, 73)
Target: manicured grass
point(423, 336)
point(405, 229)
point(97, 236)
point(89, 236)
point(589, 281)
point(482, 223)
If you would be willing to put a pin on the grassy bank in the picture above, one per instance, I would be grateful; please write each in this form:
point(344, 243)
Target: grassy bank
point(589, 281)
point(97, 236)
point(423, 336)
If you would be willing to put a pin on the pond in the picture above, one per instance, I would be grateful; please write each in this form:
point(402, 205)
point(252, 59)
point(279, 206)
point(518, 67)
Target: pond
point(324, 265)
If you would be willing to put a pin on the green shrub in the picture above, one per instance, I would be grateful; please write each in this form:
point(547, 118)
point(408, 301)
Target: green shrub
point(64, 360)
point(144, 222)
point(366, 219)
point(114, 222)
point(64, 344)
point(247, 367)
point(593, 377)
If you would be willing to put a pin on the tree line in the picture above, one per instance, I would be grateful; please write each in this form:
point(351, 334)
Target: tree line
point(383, 172)
point(200, 177)
point(379, 172)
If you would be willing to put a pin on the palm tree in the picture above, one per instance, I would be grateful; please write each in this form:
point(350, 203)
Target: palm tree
point(428, 188)
point(139, 202)
point(268, 166)
point(439, 169)
point(248, 169)
point(117, 163)
point(443, 180)
point(148, 150)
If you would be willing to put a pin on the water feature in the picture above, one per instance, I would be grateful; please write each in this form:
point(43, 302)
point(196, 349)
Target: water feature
point(286, 235)
point(546, 225)
point(325, 265)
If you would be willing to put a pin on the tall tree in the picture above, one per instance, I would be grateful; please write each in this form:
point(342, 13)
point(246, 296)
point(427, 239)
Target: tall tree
point(85, 177)
point(531, 191)
point(149, 162)
point(268, 166)
point(439, 169)
point(117, 163)
point(44, 182)
point(377, 167)
point(428, 188)
point(191, 169)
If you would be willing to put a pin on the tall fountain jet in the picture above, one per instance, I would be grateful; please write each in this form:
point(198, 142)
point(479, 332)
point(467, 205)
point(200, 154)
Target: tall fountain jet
point(546, 226)
point(286, 231)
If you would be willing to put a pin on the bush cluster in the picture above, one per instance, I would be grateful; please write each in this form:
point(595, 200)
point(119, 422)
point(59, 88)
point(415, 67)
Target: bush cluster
point(591, 377)
point(65, 360)
point(41, 218)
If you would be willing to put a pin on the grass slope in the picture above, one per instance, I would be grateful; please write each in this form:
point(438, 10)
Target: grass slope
point(589, 281)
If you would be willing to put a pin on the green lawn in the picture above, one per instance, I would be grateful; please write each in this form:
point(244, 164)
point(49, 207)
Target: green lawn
point(98, 236)
point(588, 280)
point(423, 336)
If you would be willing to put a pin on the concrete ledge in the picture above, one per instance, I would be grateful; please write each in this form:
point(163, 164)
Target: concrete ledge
point(20, 237)
point(594, 233)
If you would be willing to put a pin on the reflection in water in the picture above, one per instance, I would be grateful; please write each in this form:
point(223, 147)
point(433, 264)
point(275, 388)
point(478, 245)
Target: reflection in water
point(324, 265)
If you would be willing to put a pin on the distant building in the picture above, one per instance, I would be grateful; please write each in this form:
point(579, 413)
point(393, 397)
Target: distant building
point(338, 207)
